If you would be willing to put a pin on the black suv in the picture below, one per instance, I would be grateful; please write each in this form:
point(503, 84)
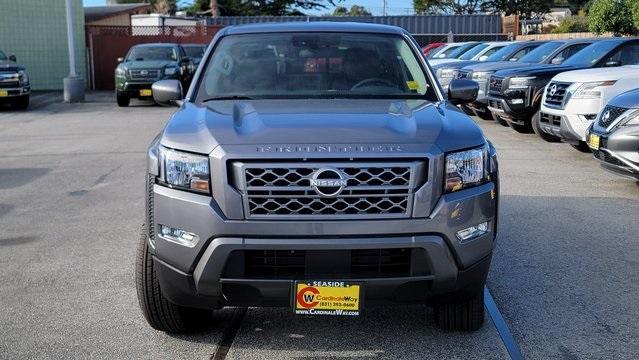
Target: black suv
point(515, 95)
point(14, 83)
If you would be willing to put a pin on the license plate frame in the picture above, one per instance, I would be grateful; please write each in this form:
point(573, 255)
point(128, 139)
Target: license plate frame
point(328, 298)
point(594, 141)
point(146, 92)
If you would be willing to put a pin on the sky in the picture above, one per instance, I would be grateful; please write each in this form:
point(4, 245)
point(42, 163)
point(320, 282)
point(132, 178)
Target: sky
point(393, 7)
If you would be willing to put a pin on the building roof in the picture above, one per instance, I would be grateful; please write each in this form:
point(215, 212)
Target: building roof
point(93, 13)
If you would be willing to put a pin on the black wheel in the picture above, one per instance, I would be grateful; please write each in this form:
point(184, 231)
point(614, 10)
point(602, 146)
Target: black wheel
point(500, 120)
point(123, 100)
point(485, 115)
point(468, 111)
point(536, 126)
point(462, 316)
point(582, 146)
point(526, 128)
point(159, 312)
point(20, 103)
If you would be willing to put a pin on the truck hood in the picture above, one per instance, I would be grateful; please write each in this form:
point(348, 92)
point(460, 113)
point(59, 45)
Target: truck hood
point(494, 66)
point(201, 128)
point(629, 100)
point(435, 62)
point(455, 64)
point(6, 65)
point(599, 74)
point(148, 64)
point(541, 70)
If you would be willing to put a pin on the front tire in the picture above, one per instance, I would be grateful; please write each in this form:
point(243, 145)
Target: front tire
point(123, 100)
point(157, 310)
point(536, 126)
point(581, 146)
point(20, 103)
point(485, 115)
point(463, 316)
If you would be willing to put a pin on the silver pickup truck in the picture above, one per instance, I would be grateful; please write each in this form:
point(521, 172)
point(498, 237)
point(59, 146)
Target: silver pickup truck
point(316, 166)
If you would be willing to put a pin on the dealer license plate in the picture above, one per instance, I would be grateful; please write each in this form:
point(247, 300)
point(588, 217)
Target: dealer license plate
point(4, 93)
point(146, 92)
point(336, 298)
point(594, 141)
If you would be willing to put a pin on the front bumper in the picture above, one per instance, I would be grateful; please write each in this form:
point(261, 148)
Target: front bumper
point(619, 151)
point(203, 277)
point(571, 123)
point(518, 115)
point(15, 91)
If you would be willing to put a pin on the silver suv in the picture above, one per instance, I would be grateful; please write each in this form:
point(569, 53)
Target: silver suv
point(316, 166)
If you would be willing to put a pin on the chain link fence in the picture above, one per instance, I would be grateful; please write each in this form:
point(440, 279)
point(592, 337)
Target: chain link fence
point(425, 39)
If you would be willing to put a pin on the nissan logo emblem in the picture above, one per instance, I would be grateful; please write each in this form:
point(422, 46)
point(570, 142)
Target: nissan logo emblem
point(553, 90)
point(328, 182)
point(606, 115)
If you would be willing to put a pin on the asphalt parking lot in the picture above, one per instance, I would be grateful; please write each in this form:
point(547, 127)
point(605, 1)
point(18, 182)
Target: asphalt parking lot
point(564, 274)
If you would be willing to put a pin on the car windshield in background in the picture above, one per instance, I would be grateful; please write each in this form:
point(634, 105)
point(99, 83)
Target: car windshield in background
point(504, 53)
point(314, 65)
point(591, 54)
point(194, 51)
point(3, 56)
point(145, 53)
point(468, 55)
point(461, 50)
point(445, 52)
point(542, 52)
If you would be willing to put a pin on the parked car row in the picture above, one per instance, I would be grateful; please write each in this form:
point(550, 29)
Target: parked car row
point(15, 88)
point(583, 92)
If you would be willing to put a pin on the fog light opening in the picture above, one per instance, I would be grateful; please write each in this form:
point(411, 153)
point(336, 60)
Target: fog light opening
point(472, 232)
point(178, 236)
point(517, 101)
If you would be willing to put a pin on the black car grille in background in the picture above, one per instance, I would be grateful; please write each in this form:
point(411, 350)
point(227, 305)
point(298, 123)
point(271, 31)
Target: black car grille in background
point(144, 74)
point(609, 115)
point(372, 189)
point(9, 80)
point(556, 94)
point(495, 84)
point(550, 119)
point(463, 74)
point(301, 264)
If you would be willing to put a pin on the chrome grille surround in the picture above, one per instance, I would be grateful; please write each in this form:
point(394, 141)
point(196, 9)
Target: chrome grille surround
point(495, 84)
point(609, 114)
point(556, 94)
point(283, 190)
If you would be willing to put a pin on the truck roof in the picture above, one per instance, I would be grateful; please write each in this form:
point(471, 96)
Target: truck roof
point(314, 26)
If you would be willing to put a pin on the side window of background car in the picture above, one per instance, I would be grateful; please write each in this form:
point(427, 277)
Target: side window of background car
point(519, 54)
point(491, 51)
point(626, 55)
point(567, 53)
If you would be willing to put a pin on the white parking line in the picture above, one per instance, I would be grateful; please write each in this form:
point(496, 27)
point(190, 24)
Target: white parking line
point(501, 326)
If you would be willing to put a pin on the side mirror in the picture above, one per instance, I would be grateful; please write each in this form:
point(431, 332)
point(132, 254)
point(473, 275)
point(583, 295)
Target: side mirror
point(513, 59)
point(613, 63)
point(462, 91)
point(12, 58)
point(120, 59)
point(167, 92)
point(557, 61)
point(483, 58)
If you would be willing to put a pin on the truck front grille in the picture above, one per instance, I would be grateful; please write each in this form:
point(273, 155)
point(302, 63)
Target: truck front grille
point(328, 190)
point(609, 115)
point(556, 94)
point(9, 79)
point(495, 85)
point(144, 74)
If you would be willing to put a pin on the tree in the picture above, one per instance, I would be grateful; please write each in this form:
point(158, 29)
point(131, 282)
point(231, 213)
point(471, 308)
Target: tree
point(160, 6)
point(457, 7)
point(526, 9)
point(611, 15)
point(355, 10)
point(263, 7)
point(572, 24)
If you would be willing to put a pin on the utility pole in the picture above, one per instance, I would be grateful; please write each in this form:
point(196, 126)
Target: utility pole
point(384, 8)
point(214, 9)
point(73, 84)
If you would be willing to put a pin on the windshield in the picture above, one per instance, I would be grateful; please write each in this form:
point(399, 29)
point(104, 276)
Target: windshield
point(468, 55)
point(144, 53)
point(314, 65)
point(461, 50)
point(445, 51)
point(542, 52)
point(2, 56)
point(504, 53)
point(591, 54)
point(194, 51)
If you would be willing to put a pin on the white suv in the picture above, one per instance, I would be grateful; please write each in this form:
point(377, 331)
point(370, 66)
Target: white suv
point(572, 100)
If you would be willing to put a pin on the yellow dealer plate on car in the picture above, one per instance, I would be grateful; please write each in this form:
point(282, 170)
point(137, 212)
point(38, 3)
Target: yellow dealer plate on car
point(4, 93)
point(593, 141)
point(336, 298)
point(146, 92)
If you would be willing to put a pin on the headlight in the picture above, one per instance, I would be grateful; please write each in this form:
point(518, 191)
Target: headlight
point(520, 82)
point(465, 169)
point(119, 71)
point(632, 119)
point(589, 90)
point(184, 170)
point(170, 70)
point(447, 73)
point(24, 78)
point(480, 75)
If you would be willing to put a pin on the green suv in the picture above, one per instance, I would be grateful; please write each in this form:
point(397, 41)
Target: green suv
point(146, 64)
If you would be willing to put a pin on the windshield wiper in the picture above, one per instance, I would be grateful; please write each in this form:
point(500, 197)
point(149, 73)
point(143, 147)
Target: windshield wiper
point(228, 97)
